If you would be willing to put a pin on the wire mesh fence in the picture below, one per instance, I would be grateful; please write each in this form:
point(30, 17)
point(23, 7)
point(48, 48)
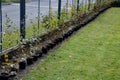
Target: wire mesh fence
point(28, 19)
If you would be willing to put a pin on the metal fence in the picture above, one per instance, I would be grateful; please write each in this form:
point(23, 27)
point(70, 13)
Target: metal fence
point(24, 14)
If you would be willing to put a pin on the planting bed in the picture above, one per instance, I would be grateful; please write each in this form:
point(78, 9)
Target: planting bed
point(91, 54)
point(33, 50)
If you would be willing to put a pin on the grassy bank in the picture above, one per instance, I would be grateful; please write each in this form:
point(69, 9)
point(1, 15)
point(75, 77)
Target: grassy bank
point(91, 54)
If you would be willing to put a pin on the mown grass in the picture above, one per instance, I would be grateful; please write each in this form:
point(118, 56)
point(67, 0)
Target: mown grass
point(91, 54)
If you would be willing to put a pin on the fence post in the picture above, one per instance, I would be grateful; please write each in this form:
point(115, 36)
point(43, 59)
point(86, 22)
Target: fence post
point(67, 6)
point(93, 4)
point(22, 20)
point(50, 13)
point(89, 4)
point(82, 4)
point(38, 16)
point(86, 6)
point(59, 9)
point(72, 2)
point(49, 8)
point(77, 5)
point(0, 26)
point(67, 9)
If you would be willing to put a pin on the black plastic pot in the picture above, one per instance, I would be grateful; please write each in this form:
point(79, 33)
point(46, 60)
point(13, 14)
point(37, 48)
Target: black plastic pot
point(82, 24)
point(4, 76)
point(48, 46)
point(22, 65)
point(12, 74)
point(60, 39)
point(65, 35)
point(33, 43)
point(44, 50)
point(51, 45)
point(57, 40)
point(27, 44)
point(29, 60)
point(69, 33)
point(35, 58)
point(72, 30)
point(38, 53)
point(14, 69)
point(75, 29)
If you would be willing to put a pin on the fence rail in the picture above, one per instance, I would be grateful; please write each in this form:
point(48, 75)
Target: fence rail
point(69, 5)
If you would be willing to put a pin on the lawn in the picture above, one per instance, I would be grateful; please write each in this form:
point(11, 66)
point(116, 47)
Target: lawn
point(93, 53)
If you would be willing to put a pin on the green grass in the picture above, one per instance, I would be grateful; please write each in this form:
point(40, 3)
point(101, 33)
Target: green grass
point(93, 53)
